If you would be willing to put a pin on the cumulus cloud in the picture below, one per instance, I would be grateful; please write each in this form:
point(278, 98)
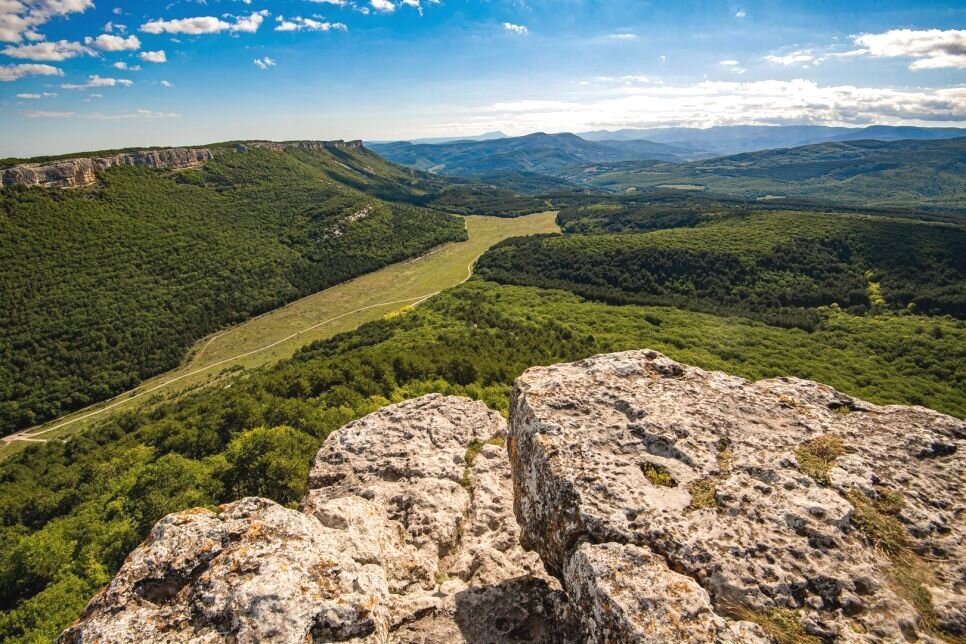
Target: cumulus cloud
point(154, 56)
point(516, 29)
point(110, 42)
point(930, 48)
point(382, 5)
point(123, 65)
point(49, 51)
point(165, 83)
point(205, 25)
point(308, 24)
point(99, 81)
point(16, 72)
point(20, 19)
point(741, 13)
point(33, 97)
point(264, 63)
point(624, 105)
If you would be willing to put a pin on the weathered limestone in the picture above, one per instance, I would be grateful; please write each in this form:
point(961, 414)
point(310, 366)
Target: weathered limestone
point(671, 505)
point(404, 536)
point(675, 471)
point(81, 172)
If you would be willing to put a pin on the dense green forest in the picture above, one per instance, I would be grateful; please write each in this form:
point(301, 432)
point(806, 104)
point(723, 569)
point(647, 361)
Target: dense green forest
point(104, 287)
point(70, 513)
point(774, 266)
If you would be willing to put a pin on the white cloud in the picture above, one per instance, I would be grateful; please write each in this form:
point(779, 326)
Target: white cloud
point(799, 57)
point(298, 24)
point(42, 114)
point(516, 29)
point(741, 13)
point(206, 25)
point(154, 56)
point(110, 42)
point(99, 81)
point(264, 63)
point(623, 36)
point(189, 26)
point(382, 5)
point(123, 65)
point(165, 83)
point(930, 48)
point(20, 19)
point(251, 23)
point(15, 72)
point(720, 103)
point(37, 96)
point(732, 66)
point(49, 51)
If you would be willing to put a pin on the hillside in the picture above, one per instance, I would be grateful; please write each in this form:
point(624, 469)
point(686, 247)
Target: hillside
point(868, 173)
point(65, 528)
point(734, 139)
point(537, 153)
point(105, 286)
point(776, 266)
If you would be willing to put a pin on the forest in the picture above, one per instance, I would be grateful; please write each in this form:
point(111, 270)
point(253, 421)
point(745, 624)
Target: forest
point(771, 265)
point(104, 287)
point(70, 513)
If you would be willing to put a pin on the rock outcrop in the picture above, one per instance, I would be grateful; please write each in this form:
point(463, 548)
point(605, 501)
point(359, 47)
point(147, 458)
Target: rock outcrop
point(667, 498)
point(81, 172)
point(349, 146)
point(669, 504)
point(407, 534)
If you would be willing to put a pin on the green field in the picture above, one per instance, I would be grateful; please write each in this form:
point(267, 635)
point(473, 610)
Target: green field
point(280, 333)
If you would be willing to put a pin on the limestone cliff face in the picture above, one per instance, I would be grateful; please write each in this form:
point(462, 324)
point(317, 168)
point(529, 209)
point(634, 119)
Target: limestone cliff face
point(670, 504)
point(81, 172)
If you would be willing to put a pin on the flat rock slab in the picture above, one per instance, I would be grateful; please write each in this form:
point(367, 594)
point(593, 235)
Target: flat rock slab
point(791, 504)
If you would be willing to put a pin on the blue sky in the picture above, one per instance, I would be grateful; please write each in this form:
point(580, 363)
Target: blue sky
point(80, 74)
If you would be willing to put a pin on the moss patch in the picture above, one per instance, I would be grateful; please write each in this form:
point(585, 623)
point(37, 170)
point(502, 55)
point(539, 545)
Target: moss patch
point(658, 475)
point(817, 456)
point(703, 493)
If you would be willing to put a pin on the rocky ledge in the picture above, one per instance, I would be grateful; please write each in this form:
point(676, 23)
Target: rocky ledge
point(81, 172)
point(667, 504)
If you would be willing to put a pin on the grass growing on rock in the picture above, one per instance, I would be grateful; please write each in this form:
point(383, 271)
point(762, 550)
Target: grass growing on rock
point(817, 456)
point(782, 625)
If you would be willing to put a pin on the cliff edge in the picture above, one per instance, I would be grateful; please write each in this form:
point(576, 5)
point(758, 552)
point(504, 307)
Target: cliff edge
point(631, 499)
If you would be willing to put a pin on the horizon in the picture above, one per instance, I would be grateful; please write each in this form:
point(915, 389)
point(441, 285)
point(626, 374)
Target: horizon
point(78, 77)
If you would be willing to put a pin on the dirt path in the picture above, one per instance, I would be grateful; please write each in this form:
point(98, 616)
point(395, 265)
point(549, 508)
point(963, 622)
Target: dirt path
point(278, 334)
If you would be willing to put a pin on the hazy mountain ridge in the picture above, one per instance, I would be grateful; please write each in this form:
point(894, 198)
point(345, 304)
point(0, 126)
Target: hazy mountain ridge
point(906, 173)
point(539, 152)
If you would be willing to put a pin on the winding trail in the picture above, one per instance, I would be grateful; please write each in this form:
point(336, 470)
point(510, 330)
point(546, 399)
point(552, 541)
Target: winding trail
point(434, 269)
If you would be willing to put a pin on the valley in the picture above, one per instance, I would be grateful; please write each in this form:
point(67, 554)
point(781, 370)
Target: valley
point(280, 333)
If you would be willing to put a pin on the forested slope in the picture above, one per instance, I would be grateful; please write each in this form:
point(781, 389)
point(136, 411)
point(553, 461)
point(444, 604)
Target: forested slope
point(103, 287)
point(775, 266)
point(69, 513)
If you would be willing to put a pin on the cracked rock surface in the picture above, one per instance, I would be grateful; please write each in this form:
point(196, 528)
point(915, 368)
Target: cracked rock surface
point(398, 539)
point(675, 502)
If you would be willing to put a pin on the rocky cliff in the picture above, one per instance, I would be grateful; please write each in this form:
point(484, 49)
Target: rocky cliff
point(81, 172)
point(631, 499)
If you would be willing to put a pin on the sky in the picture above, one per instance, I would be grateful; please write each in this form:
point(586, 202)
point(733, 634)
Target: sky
point(85, 75)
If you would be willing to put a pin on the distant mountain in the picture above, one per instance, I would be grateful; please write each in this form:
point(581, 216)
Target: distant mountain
point(734, 139)
point(534, 153)
point(909, 173)
point(486, 136)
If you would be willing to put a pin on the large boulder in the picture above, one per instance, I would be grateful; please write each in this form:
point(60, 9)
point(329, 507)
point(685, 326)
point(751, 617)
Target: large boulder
point(677, 504)
point(406, 534)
